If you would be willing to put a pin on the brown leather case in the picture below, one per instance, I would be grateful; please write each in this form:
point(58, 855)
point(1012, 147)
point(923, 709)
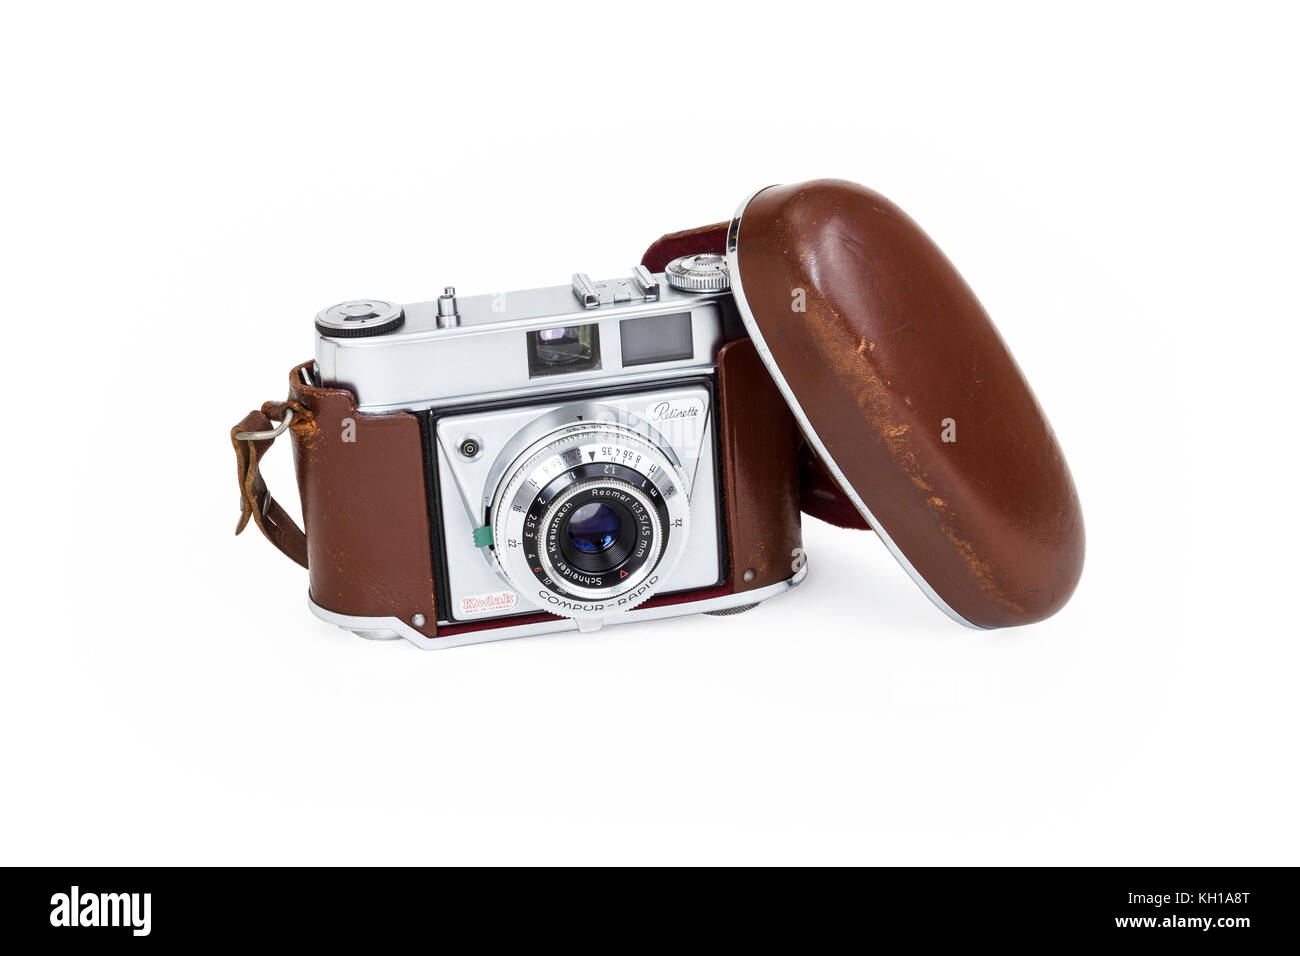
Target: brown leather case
point(891, 355)
point(361, 479)
point(760, 471)
point(364, 503)
point(361, 482)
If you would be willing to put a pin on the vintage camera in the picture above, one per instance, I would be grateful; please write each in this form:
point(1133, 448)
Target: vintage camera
point(492, 466)
point(573, 444)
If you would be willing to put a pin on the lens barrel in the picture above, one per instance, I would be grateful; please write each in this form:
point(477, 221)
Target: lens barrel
point(583, 520)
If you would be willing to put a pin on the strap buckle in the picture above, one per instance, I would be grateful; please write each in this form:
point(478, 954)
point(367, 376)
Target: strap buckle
point(275, 432)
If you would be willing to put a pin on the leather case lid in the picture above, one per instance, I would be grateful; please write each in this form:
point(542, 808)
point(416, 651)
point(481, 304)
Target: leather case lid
point(911, 398)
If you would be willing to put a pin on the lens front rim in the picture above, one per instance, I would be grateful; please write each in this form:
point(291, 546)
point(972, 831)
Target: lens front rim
point(579, 453)
point(621, 540)
point(649, 539)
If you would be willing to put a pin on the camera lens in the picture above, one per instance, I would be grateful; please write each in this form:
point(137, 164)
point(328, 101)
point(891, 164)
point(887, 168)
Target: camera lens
point(589, 518)
point(594, 528)
point(598, 528)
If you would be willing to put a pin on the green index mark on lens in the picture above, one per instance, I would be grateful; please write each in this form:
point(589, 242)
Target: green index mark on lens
point(483, 536)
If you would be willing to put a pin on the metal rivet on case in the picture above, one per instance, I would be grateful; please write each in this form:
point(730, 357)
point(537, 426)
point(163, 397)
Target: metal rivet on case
point(418, 620)
point(751, 574)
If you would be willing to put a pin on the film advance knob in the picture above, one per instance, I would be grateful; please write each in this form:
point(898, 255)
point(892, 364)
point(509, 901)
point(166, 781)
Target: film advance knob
point(358, 317)
point(705, 272)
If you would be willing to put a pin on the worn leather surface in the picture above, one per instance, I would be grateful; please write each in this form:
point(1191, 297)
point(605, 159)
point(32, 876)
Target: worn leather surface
point(364, 506)
point(361, 483)
point(819, 495)
point(893, 343)
point(366, 545)
point(760, 470)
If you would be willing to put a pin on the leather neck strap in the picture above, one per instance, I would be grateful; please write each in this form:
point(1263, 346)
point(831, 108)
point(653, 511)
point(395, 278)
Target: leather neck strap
point(255, 500)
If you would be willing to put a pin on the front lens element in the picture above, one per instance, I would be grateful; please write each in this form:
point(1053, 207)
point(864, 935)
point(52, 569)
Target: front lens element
point(594, 528)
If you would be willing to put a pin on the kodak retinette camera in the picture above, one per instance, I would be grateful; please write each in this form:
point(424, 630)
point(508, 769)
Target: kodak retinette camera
point(474, 468)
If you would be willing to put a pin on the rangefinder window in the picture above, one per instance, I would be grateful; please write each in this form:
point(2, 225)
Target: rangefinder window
point(656, 338)
point(563, 349)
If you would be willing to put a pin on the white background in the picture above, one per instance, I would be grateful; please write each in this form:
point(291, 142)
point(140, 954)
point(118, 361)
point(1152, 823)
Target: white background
point(183, 186)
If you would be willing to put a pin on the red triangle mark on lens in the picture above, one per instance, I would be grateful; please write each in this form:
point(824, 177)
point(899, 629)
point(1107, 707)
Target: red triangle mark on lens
point(622, 574)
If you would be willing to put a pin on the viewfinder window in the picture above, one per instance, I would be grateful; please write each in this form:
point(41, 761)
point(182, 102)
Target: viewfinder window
point(564, 349)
